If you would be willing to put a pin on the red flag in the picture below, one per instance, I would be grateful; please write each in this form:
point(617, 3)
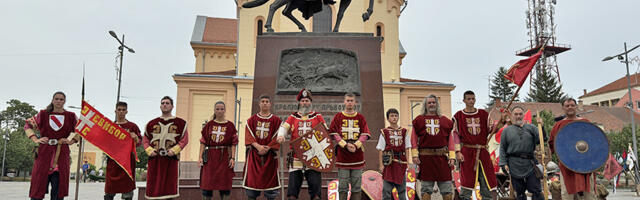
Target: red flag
point(107, 136)
point(527, 117)
point(612, 168)
point(518, 72)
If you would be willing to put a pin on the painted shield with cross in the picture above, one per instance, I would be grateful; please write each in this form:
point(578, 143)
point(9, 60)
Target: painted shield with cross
point(315, 149)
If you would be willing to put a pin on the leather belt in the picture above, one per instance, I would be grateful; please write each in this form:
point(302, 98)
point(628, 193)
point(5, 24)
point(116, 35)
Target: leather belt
point(475, 146)
point(443, 151)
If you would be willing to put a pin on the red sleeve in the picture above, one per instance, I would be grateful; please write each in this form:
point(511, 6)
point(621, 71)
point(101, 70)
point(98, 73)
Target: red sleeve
point(145, 139)
point(234, 134)
point(366, 134)
point(136, 130)
point(185, 137)
point(335, 127)
point(36, 118)
point(248, 132)
point(414, 138)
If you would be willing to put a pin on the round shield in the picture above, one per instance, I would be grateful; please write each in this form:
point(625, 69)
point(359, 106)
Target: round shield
point(372, 184)
point(582, 147)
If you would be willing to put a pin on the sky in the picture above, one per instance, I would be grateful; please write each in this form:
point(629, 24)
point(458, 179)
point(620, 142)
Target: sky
point(45, 44)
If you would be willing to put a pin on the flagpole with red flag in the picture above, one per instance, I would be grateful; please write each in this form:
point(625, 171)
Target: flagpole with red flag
point(80, 146)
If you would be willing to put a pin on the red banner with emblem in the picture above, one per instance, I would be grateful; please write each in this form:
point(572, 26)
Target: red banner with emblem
point(103, 133)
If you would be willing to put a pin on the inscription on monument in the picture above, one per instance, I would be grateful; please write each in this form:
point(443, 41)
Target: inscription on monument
point(324, 71)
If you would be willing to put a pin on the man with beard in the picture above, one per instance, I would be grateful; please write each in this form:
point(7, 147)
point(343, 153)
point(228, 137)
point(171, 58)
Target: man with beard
point(517, 145)
point(431, 153)
point(573, 184)
point(298, 124)
point(163, 139)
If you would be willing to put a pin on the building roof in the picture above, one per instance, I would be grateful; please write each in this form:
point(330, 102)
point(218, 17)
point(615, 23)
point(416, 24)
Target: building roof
point(610, 118)
point(215, 31)
point(619, 84)
point(635, 94)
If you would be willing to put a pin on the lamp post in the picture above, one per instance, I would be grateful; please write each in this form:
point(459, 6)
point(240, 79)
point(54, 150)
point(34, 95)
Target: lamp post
point(121, 48)
point(625, 60)
point(5, 137)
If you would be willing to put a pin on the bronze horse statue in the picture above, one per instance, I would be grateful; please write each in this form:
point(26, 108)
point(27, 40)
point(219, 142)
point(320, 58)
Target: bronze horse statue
point(307, 7)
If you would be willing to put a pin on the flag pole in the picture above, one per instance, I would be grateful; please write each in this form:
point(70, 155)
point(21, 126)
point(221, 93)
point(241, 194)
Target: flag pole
point(80, 146)
point(543, 149)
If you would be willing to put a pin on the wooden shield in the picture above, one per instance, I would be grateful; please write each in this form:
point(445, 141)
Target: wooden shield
point(582, 147)
point(315, 149)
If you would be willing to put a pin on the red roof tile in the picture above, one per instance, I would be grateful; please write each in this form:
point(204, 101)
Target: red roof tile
point(621, 83)
point(221, 30)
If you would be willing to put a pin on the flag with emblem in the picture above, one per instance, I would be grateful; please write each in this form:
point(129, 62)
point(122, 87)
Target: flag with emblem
point(315, 149)
point(518, 72)
point(103, 133)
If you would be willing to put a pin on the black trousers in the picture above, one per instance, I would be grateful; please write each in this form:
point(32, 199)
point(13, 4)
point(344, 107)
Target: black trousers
point(314, 180)
point(54, 180)
point(530, 183)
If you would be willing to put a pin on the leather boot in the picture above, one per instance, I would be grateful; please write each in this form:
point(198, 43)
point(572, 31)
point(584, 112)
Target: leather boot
point(447, 197)
point(494, 195)
point(426, 196)
point(108, 197)
point(356, 196)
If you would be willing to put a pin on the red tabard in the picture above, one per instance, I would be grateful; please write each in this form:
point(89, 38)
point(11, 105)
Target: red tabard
point(574, 182)
point(53, 126)
point(116, 178)
point(300, 125)
point(162, 171)
point(219, 138)
point(395, 172)
point(349, 128)
point(261, 172)
point(433, 132)
point(473, 129)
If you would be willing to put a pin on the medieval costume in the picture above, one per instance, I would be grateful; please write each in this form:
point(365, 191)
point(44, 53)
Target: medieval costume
point(433, 133)
point(394, 142)
point(349, 128)
point(117, 180)
point(261, 171)
point(161, 136)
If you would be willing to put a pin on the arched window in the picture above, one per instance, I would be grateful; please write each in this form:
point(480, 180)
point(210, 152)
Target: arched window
point(379, 31)
point(259, 27)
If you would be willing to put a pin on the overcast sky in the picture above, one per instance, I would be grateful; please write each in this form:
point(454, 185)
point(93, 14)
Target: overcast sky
point(44, 44)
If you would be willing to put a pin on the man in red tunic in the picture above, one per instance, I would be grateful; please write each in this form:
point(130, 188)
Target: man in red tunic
point(117, 180)
point(396, 142)
point(472, 125)
point(164, 137)
point(52, 162)
point(298, 124)
point(433, 133)
point(261, 168)
point(349, 129)
point(574, 184)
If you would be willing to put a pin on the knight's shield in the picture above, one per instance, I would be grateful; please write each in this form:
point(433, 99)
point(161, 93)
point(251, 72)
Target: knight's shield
point(315, 149)
point(582, 147)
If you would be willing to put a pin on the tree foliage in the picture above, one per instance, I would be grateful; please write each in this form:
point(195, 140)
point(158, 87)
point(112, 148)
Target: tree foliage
point(19, 148)
point(545, 88)
point(501, 87)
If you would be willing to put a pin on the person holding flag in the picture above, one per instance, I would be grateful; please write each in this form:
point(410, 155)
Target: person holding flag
point(218, 154)
point(163, 139)
point(52, 161)
point(117, 180)
point(261, 168)
point(474, 131)
point(299, 124)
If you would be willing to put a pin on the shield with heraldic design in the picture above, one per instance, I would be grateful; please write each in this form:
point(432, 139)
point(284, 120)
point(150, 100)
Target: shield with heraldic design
point(315, 149)
point(56, 122)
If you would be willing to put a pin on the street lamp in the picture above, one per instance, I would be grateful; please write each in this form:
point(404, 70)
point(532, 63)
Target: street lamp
point(5, 137)
point(121, 48)
point(625, 60)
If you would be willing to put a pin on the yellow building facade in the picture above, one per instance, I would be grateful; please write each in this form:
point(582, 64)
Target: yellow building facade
point(225, 49)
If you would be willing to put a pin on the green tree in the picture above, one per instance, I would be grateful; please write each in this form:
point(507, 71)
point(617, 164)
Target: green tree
point(619, 140)
point(19, 152)
point(545, 88)
point(501, 87)
point(143, 157)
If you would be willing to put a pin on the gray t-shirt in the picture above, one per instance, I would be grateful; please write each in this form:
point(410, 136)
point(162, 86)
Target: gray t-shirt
point(518, 140)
